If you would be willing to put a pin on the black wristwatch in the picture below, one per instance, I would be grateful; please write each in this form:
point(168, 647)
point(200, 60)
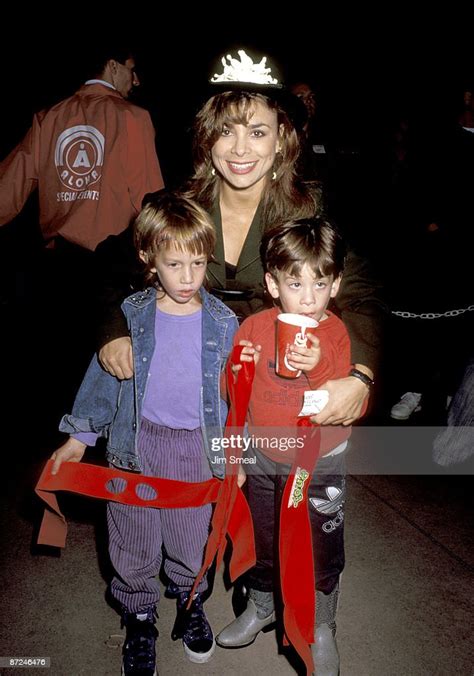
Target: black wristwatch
point(362, 376)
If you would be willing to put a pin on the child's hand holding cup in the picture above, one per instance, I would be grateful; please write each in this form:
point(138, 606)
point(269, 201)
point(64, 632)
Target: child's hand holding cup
point(292, 330)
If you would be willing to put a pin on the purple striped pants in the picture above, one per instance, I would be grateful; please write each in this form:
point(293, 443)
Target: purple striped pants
point(141, 537)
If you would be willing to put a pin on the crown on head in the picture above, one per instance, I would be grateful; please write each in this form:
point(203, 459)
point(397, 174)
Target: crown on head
point(245, 70)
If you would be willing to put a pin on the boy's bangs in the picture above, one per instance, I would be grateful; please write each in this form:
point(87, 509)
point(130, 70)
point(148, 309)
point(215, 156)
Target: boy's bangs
point(185, 240)
point(320, 266)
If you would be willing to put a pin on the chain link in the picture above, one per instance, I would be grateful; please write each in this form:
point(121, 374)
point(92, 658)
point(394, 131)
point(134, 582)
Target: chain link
point(432, 315)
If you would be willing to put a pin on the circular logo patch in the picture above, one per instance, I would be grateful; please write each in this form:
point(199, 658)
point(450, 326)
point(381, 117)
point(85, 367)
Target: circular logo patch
point(79, 156)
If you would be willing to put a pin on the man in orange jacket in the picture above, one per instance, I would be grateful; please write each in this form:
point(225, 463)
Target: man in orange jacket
point(92, 157)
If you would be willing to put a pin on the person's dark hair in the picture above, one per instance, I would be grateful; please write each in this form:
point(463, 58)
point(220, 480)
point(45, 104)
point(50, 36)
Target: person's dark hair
point(283, 197)
point(101, 54)
point(171, 219)
point(314, 241)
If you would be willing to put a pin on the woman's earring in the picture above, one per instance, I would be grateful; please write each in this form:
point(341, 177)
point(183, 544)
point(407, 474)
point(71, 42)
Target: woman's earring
point(213, 172)
point(274, 175)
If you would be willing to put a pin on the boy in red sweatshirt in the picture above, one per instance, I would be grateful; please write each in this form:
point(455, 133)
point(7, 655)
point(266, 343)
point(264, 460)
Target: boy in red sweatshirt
point(303, 264)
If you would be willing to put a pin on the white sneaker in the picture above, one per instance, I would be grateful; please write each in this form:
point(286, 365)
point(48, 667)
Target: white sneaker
point(408, 404)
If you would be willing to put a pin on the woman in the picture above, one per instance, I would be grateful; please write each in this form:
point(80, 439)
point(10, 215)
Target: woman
point(245, 148)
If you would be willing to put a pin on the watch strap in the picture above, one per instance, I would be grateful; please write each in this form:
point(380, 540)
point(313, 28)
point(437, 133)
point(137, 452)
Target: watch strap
point(362, 376)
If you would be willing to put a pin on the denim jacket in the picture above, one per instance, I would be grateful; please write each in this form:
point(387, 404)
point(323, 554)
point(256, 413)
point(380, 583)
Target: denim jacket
point(112, 407)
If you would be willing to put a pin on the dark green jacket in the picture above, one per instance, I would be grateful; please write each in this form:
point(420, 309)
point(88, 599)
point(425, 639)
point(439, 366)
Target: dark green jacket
point(249, 276)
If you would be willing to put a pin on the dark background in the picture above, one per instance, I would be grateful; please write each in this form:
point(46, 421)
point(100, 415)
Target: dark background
point(367, 65)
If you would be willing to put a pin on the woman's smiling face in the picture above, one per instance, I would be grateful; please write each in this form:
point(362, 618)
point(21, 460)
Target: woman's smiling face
point(244, 153)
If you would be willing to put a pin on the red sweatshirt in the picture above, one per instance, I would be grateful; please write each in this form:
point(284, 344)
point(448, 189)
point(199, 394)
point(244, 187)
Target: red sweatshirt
point(276, 401)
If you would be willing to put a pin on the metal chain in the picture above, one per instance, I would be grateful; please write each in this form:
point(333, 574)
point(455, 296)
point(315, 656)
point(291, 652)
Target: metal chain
point(432, 315)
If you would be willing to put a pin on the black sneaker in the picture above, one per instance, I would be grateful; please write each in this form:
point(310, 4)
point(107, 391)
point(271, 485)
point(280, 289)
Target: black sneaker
point(192, 626)
point(139, 654)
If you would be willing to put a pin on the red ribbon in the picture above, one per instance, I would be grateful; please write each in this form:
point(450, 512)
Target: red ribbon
point(239, 388)
point(92, 480)
point(296, 551)
point(296, 548)
point(231, 515)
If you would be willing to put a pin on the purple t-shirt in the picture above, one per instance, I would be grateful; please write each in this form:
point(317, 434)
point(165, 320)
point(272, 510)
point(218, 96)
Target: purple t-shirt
point(173, 390)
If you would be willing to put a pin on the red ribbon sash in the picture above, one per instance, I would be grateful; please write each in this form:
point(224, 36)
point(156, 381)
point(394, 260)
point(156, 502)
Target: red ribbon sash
point(296, 549)
point(92, 480)
point(239, 389)
point(231, 516)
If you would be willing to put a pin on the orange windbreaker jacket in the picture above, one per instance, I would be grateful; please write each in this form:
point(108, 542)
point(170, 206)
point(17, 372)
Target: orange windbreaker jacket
point(92, 157)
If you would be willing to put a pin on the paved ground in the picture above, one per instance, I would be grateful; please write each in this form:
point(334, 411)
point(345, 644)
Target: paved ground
point(406, 604)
